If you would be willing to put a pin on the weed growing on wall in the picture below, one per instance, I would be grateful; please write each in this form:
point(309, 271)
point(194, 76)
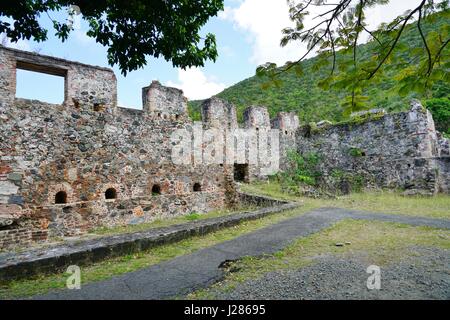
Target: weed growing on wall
point(303, 172)
point(304, 177)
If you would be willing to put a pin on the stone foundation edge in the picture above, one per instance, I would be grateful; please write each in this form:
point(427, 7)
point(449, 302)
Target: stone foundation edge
point(14, 266)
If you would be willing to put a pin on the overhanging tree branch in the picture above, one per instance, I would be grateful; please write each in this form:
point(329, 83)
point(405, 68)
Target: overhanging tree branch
point(419, 26)
point(397, 38)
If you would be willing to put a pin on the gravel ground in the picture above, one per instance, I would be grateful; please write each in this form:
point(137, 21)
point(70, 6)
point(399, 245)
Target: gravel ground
point(423, 275)
point(198, 270)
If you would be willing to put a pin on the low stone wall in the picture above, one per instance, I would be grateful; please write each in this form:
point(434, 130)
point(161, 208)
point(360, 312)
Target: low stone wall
point(67, 220)
point(58, 258)
point(16, 237)
point(259, 201)
point(70, 220)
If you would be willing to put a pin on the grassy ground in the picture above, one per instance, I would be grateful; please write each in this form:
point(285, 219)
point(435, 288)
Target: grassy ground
point(381, 243)
point(168, 222)
point(109, 231)
point(108, 268)
point(382, 201)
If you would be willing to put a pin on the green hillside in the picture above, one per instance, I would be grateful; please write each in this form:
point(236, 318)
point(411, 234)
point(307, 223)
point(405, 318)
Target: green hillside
point(302, 95)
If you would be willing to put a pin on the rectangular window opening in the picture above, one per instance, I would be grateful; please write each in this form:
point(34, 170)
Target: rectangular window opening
point(241, 172)
point(40, 86)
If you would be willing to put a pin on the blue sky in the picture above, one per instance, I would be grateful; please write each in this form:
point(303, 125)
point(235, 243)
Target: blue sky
point(247, 32)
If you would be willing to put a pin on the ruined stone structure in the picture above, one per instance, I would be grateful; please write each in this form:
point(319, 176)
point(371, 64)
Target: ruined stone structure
point(401, 150)
point(66, 169)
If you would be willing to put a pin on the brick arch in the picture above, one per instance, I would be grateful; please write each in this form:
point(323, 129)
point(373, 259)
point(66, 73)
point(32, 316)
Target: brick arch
point(55, 191)
point(108, 187)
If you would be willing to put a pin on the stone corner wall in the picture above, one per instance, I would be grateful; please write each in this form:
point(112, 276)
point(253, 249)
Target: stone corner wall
point(164, 101)
point(7, 77)
point(86, 87)
point(256, 117)
point(60, 163)
point(400, 151)
point(288, 124)
point(217, 113)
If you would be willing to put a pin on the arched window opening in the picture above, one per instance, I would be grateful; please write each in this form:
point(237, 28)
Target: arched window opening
point(61, 197)
point(110, 193)
point(197, 187)
point(156, 190)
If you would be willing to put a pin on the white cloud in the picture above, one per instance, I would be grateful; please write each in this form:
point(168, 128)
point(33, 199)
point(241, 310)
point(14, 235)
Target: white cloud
point(226, 14)
point(263, 20)
point(80, 28)
point(196, 85)
point(389, 12)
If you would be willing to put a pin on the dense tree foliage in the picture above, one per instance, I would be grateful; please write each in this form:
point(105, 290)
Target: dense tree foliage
point(440, 108)
point(313, 103)
point(131, 29)
point(340, 24)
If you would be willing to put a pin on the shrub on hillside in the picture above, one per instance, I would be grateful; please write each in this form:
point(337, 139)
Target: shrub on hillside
point(440, 109)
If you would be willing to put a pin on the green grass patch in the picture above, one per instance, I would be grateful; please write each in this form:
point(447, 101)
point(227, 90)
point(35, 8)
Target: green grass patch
point(193, 216)
point(381, 242)
point(381, 201)
point(158, 223)
point(359, 233)
point(120, 265)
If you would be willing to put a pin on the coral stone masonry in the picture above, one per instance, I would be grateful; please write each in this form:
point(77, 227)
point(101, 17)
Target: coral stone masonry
point(87, 163)
point(399, 151)
point(66, 169)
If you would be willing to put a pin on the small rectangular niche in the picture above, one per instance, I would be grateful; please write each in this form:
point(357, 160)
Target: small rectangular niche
point(40, 86)
point(241, 172)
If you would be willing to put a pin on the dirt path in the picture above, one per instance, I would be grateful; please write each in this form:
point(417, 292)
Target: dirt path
point(188, 273)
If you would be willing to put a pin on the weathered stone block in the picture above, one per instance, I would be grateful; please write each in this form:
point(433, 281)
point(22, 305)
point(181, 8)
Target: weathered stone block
point(15, 176)
point(286, 121)
point(218, 113)
point(163, 101)
point(256, 117)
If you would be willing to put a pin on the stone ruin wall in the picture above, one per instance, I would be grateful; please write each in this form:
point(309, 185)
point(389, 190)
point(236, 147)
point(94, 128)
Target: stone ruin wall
point(88, 145)
point(221, 115)
point(397, 151)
